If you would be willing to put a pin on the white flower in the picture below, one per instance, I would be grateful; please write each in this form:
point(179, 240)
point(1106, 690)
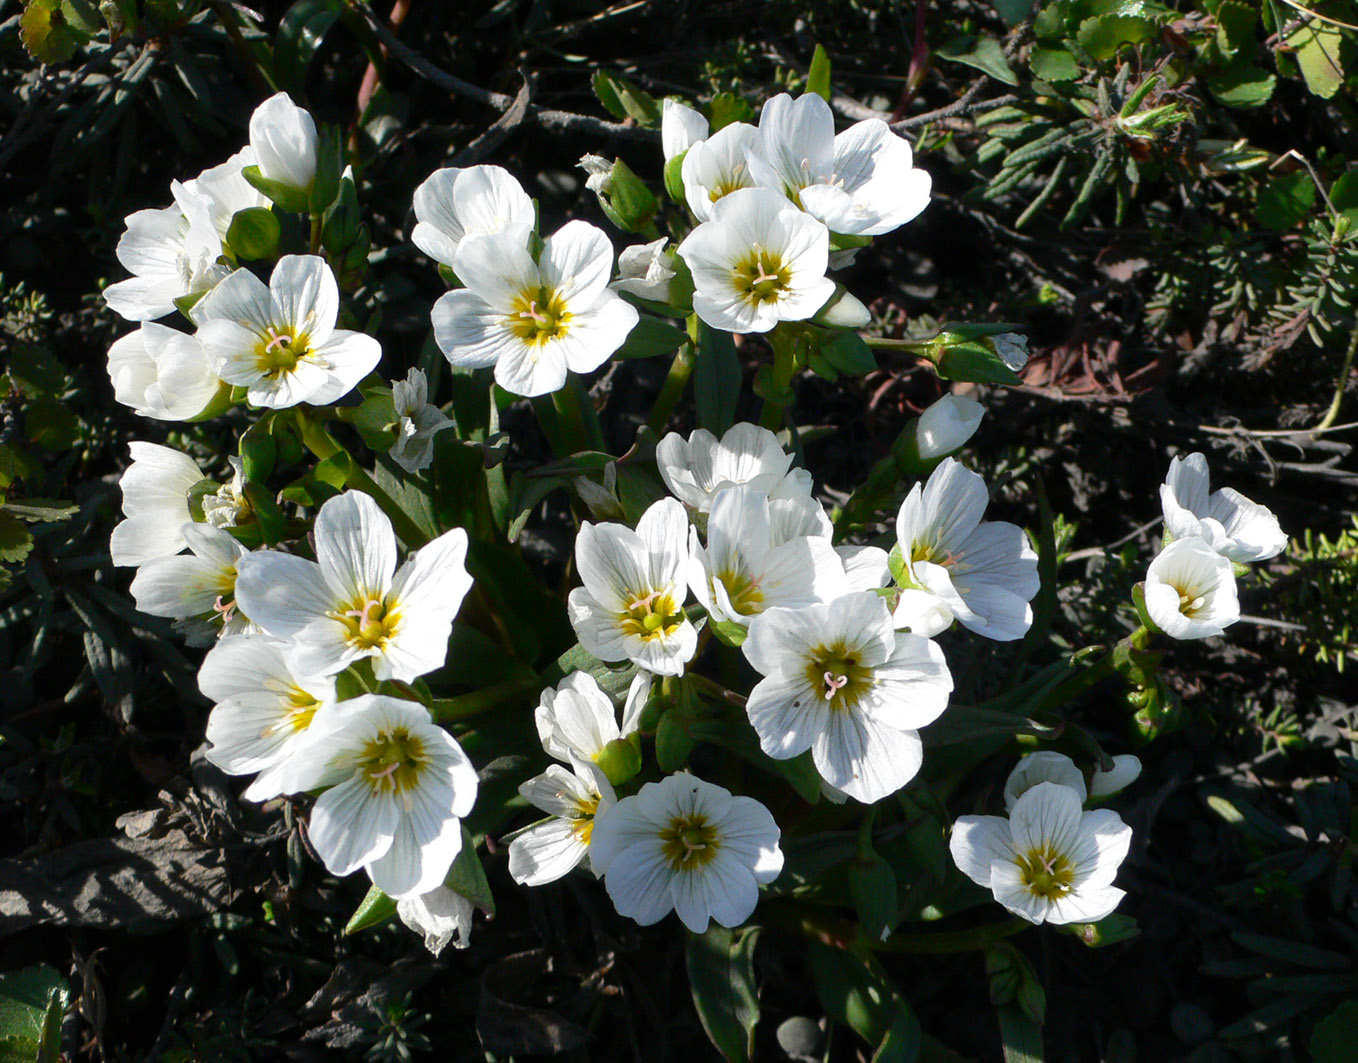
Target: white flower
point(547, 851)
point(695, 469)
point(945, 427)
point(441, 916)
point(1234, 526)
point(533, 321)
point(162, 373)
point(453, 204)
point(417, 422)
point(224, 507)
point(645, 270)
point(1049, 861)
point(680, 128)
point(631, 604)
point(983, 573)
point(862, 182)
point(747, 568)
point(200, 586)
point(264, 711)
point(156, 503)
point(1190, 590)
point(576, 720)
point(1043, 766)
point(758, 261)
point(716, 167)
point(227, 191)
point(1012, 347)
point(866, 568)
point(171, 253)
point(280, 341)
point(283, 138)
point(398, 787)
point(355, 602)
point(840, 681)
point(690, 846)
point(1125, 771)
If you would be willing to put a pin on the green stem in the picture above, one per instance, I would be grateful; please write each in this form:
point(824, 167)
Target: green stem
point(316, 223)
point(981, 937)
point(675, 383)
point(1332, 414)
point(577, 417)
point(317, 439)
point(921, 348)
point(446, 710)
point(774, 410)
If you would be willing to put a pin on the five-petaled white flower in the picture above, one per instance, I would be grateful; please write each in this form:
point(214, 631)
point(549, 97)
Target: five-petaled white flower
point(1228, 521)
point(756, 262)
point(576, 720)
point(264, 712)
point(200, 587)
point(283, 140)
point(280, 341)
point(575, 800)
point(454, 203)
point(840, 681)
point(635, 582)
point(862, 182)
point(696, 468)
point(417, 422)
point(983, 573)
point(353, 602)
point(398, 787)
point(533, 321)
point(1049, 861)
point(155, 502)
point(687, 845)
point(1190, 590)
point(163, 373)
point(718, 166)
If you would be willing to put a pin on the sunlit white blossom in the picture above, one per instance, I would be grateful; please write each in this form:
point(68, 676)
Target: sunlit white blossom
point(645, 270)
point(225, 507)
point(1190, 590)
point(1045, 765)
point(227, 191)
point(264, 710)
point(575, 800)
point(982, 572)
point(686, 845)
point(576, 720)
point(840, 681)
point(454, 203)
point(283, 139)
point(862, 182)
point(680, 128)
point(1049, 861)
point(635, 583)
point(155, 502)
point(1125, 771)
point(353, 601)
point(417, 422)
point(696, 468)
point(1012, 347)
point(946, 425)
point(199, 586)
point(163, 373)
point(397, 787)
point(1233, 525)
point(716, 167)
point(756, 262)
point(533, 321)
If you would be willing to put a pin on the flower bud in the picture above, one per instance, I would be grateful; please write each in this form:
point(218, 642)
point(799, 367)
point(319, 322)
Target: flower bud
point(284, 139)
point(945, 427)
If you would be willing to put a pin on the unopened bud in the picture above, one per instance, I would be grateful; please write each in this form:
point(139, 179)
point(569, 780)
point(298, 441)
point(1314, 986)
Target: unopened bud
point(945, 427)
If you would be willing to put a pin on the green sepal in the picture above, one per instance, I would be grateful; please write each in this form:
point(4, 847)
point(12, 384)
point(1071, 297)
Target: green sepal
point(258, 451)
point(1109, 930)
point(818, 77)
point(895, 561)
point(293, 200)
point(329, 166)
point(728, 631)
point(253, 233)
point(673, 743)
point(674, 178)
point(197, 493)
point(272, 525)
point(374, 909)
point(975, 362)
point(219, 404)
point(620, 760)
point(342, 219)
point(629, 204)
point(185, 304)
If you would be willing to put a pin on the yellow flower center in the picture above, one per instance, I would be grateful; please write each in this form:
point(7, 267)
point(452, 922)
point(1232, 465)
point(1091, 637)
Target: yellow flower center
point(582, 823)
point(762, 277)
point(836, 672)
point(689, 841)
point(392, 761)
point(1046, 873)
point(933, 553)
point(301, 709)
point(1190, 603)
point(370, 622)
point(744, 592)
point(538, 316)
point(279, 350)
point(654, 615)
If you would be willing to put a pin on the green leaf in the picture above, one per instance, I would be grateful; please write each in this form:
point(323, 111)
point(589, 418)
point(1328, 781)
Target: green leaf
point(738, 736)
point(1336, 1034)
point(32, 1002)
point(300, 32)
point(1021, 1038)
point(975, 361)
point(41, 510)
point(720, 966)
point(872, 885)
point(47, 33)
point(716, 379)
point(818, 77)
point(962, 723)
point(468, 877)
point(848, 353)
point(253, 233)
point(727, 107)
point(375, 908)
point(861, 999)
point(293, 200)
point(1286, 200)
point(613, 681)
point(1243, 85)
point(1014, 11)
point(623, 100)
point(1053, 64)
point(1344, 196)
point(15, 539)
point(1316, 48)
point(650, 338)
point(1105, 35)
point(984, 53)
point(330, 162)
point(1235, 26)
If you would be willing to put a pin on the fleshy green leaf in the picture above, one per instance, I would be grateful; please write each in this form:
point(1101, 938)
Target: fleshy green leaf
point(984, 53)
point(1316, 48)
point(15, 539)
point(375, 908)
point(1053, 64)
point(721, 977)
point(818, 77)
point(1104, 35)
point(1286, 200)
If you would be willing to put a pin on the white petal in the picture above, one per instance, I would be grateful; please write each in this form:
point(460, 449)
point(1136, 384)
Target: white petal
point(576, 262)
point(1042, 766)
point(355, 547)
point(282, 593)
point(545, 853)
point(351, 825)
point(979, 842)
point(638, 881)
point(1046, 816)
